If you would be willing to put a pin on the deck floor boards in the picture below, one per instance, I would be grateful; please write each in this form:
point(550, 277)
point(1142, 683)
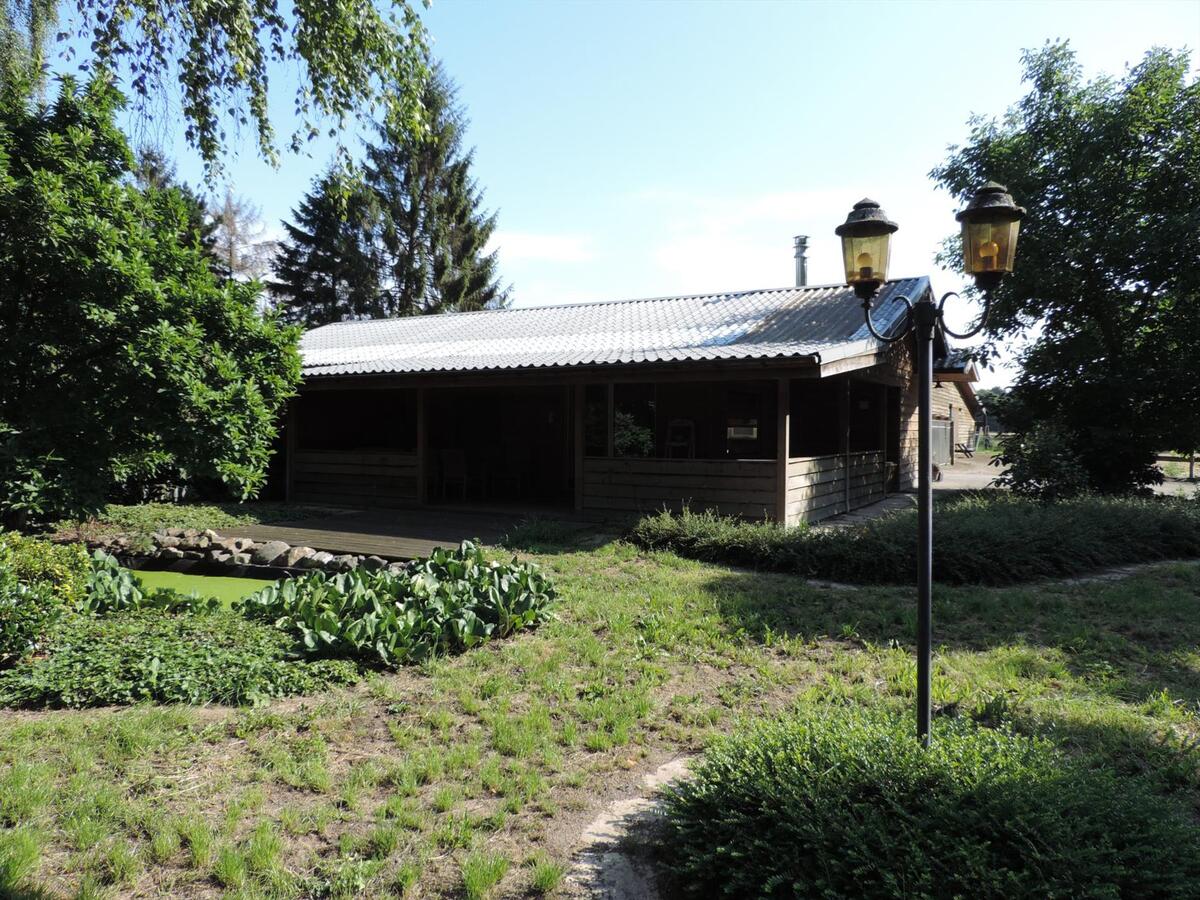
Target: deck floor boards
point(392, 534)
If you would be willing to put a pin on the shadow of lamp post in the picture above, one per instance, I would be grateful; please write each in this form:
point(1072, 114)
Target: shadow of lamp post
point(989, 239)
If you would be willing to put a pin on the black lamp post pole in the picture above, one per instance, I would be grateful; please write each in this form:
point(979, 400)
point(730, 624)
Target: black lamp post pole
point(925, 315)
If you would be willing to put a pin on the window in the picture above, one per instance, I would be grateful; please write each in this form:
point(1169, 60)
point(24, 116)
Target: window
point(357, 420)
point(595, 420)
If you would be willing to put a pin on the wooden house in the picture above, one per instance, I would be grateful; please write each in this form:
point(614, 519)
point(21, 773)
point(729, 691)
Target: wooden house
point(766, 404)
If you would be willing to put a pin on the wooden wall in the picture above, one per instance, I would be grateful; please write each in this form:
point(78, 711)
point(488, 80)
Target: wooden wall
point(817, 489)
point(354, 477)
point(948, 403)
point(731, 487)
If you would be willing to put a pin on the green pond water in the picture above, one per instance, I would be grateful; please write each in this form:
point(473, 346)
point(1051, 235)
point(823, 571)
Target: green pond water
point(222, 587)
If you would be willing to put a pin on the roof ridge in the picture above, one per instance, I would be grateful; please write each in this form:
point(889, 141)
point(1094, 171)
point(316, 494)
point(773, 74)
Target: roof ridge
point(583, 303)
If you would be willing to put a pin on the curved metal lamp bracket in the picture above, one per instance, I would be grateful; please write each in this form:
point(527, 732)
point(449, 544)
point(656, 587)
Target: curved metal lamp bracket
point(987, 302)
point(903, 331)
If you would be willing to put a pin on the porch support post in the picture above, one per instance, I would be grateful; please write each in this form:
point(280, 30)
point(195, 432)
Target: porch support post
point(844, 416)
point(608, 422)
point(578, 411)
point(783, 445)
point(422, 452)
point(883, 435)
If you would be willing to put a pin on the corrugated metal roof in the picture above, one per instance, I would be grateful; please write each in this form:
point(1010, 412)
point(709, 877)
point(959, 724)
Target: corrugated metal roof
point(821, 322)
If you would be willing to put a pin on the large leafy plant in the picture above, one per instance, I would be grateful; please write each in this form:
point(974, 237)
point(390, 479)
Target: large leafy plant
point(452, 600)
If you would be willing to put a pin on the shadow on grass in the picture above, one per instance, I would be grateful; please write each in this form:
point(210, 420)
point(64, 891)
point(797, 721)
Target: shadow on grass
point(1131, 638)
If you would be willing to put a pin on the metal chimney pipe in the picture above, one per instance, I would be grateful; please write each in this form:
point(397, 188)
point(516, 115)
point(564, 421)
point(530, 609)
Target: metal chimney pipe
point(801, 244)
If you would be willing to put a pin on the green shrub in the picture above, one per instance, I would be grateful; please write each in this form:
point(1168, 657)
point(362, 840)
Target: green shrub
point(453, 600)
point(847, 804)
point(111, 588)
point(27, 614)
point(150, 655)
point(986, 537)
point(62, 567)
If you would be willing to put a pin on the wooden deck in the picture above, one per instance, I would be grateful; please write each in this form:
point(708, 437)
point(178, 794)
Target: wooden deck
point(393, 533)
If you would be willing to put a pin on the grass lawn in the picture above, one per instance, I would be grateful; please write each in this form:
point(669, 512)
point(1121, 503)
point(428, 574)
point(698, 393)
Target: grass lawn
point(222, 587)
point(482, 769)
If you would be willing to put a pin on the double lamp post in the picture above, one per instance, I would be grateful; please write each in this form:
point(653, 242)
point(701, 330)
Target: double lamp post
point(989, 243)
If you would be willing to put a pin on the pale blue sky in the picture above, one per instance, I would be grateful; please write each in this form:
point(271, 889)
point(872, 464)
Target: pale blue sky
point(646, 148)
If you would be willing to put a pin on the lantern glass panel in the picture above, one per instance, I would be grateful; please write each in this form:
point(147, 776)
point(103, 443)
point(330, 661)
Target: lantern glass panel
point(866, 258)
point(989, 246)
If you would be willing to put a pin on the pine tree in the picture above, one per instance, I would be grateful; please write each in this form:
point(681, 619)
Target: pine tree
point(432, 230)
point(327, 269)
point(154, 172)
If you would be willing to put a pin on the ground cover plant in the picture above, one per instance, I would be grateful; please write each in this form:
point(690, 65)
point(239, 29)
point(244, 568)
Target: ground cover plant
point(842, 802)
point(452, 600)
point(987, 537)
point(427, 778)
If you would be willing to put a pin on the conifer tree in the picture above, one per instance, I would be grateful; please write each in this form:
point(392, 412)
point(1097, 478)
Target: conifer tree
point(432, 230)
point(327, 270)
point(408, 238)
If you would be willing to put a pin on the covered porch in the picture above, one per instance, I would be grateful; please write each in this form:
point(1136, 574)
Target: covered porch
point(783, 445)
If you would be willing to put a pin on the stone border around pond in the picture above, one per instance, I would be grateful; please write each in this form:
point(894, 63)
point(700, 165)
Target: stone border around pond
point(188, 547)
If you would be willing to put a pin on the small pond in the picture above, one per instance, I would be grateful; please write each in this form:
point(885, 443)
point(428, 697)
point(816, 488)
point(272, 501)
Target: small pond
point(223, 587)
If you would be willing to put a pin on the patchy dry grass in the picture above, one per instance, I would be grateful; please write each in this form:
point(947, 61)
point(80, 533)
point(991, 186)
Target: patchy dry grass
point(472, 776)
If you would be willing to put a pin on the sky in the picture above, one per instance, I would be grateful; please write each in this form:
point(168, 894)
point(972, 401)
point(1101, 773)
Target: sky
point(638, 149)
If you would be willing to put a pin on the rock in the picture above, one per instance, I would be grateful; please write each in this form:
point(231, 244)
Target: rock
point(315, 561)
point(219, 556)
point(174, 532)
point(240, 559)
point(319, 560)
point(297, 555)
point(192, 554)
point(229, 545)
point(345, 562)
point(270, 553)
point(374, 563)
point(164, 539)
point(242, 544)
point(172, 553)
point(397, 567)
point(212, 536)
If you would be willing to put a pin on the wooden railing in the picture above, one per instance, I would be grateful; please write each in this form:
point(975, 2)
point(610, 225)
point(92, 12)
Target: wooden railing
point(823, 486)
point(732, 487)
point(354, 477)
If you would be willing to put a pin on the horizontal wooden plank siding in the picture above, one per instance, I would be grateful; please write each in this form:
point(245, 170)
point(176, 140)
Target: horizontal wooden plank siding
point(817, 484)
point(730, 487)
point(354, 478)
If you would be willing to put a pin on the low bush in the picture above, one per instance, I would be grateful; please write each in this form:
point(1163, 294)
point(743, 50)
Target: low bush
point(111, 588)
point(150, 655)
point(986, 537)
point(62, 567)
point(27, 614)
point(847, 804)
point(450, 601)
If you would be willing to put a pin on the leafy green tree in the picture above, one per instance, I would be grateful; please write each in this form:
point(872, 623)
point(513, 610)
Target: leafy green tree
point(432, 230)
point(1108, 276)
point(327, 269)
point(120, 354)
point(354, 58)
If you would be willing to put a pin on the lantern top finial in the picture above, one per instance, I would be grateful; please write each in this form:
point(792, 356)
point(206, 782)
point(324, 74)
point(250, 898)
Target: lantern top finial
point(867, 218)
point(991, 202)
